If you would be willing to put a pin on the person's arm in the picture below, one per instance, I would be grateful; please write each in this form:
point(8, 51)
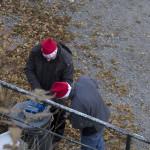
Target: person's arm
point(30, 72)
point(77, 121)
point(67, 75)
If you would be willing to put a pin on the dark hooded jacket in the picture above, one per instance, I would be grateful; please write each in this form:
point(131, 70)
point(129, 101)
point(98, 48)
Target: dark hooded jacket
point(42, 74)
point(86, 98)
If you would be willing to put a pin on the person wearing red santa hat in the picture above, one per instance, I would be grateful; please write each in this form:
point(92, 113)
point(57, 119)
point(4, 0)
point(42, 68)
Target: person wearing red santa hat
point(47, 63)
point(50, 62)
point(85, 98)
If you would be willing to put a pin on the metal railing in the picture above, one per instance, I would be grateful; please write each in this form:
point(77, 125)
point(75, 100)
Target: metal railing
point(129, 134)
point(44, 130)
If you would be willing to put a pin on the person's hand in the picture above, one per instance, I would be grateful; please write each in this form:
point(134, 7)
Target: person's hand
point(41, 92)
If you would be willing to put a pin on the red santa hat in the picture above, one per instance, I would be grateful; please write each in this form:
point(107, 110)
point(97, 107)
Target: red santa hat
point(49, 48)
point(61, 89)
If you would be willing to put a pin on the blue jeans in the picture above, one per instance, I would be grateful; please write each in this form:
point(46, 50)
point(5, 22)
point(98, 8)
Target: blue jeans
point(95, 141)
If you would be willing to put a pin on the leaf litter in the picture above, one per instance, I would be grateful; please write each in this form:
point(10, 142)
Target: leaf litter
point(38, 22)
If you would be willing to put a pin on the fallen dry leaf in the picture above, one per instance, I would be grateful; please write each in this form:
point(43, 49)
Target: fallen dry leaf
point(15, 133)
point(10, 67)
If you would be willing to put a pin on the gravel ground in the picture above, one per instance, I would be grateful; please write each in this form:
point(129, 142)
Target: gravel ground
point(125, 25)
point(120, 30)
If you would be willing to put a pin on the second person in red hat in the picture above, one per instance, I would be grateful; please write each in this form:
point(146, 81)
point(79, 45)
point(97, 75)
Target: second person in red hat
point(85, 97)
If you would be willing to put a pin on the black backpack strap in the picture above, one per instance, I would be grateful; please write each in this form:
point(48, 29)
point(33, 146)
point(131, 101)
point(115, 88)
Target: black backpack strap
point(66, 48)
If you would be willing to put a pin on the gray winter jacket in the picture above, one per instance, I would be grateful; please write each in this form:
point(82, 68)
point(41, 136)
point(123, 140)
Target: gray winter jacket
point(86, 98)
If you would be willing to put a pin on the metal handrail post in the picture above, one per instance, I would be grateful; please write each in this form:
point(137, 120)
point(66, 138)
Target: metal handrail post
point(128, 142)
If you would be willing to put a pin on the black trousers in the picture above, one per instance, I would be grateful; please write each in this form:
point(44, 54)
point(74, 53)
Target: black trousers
point(58, 124)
